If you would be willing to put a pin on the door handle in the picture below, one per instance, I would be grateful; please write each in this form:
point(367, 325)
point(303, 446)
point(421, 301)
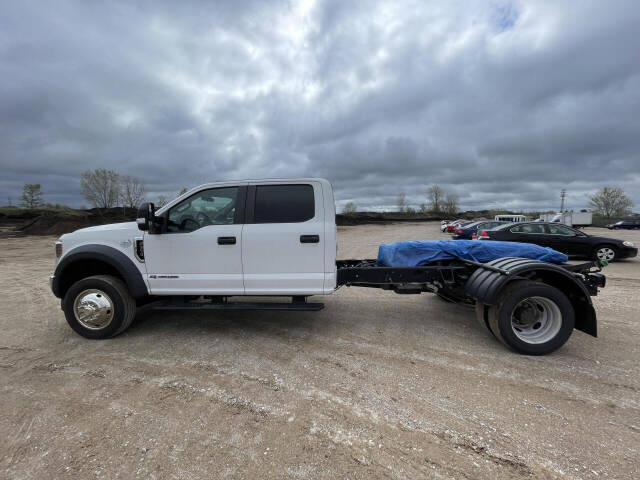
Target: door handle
point(226, 240)
point(309, 238)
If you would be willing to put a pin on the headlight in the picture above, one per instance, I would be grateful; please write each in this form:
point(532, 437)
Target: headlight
point(628, 244)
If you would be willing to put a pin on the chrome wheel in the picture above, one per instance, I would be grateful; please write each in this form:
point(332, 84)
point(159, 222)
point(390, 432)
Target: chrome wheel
point(536, 320)
point(606, 253)
point(93, 309)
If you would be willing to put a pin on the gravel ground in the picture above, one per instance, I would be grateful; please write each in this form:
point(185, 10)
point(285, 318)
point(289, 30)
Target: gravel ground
point(376, 385)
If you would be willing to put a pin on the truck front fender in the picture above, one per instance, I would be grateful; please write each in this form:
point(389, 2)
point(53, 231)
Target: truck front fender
point(93, 259)
point(485, 284)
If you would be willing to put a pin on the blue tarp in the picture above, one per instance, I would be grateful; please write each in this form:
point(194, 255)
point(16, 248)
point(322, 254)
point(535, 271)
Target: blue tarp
point(415, 253)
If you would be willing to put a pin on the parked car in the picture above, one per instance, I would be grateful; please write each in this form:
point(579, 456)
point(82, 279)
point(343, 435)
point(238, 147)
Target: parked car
point(449, 222)
point(466, 232)
point(625, 224)
point(443, 225)
point(564, 239)
point(458, 223)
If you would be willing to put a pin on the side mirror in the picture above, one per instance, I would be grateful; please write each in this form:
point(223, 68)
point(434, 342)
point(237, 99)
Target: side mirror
point(146, 217)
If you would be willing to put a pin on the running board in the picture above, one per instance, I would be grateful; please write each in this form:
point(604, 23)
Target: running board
point(297, 304)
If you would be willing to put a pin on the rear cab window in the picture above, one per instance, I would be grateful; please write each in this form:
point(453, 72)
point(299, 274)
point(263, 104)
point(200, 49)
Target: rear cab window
point(283, 203)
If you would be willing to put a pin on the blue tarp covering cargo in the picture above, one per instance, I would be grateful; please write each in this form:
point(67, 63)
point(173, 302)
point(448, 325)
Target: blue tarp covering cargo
point(415, 253)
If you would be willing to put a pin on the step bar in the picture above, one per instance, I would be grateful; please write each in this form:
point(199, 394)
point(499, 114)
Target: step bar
point(298, 303)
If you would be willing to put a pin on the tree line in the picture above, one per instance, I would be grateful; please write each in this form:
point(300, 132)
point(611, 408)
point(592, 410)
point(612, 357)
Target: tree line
point(608, 202)
point(101, 188)
point(437, 203)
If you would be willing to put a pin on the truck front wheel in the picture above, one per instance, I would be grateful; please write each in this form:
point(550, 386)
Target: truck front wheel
point(99, 307)
point(532, 318)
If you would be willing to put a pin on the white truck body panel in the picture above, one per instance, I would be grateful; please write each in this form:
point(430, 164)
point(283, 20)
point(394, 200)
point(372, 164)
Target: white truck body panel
point(120, 236)
point(193, 263)
point(273, 259)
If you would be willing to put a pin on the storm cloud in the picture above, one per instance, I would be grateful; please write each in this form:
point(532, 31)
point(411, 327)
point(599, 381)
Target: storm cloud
point(502, 103)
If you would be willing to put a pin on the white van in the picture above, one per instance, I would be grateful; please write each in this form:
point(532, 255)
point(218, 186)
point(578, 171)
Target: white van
point(510, 218)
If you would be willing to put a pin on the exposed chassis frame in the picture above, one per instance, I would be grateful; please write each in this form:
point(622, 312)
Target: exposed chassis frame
point(450, 278)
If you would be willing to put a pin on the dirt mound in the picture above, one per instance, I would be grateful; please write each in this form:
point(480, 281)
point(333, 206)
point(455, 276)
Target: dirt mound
point(47, 222)
point(361, 218)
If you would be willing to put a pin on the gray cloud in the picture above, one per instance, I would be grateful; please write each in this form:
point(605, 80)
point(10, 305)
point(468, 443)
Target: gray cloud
point(502, 103)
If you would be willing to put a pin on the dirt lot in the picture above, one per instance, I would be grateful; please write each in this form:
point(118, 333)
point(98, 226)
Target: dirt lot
point(376, 385)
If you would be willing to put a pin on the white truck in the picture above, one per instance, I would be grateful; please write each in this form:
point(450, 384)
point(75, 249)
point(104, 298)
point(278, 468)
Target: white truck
point(220, 242)
point(571, 219)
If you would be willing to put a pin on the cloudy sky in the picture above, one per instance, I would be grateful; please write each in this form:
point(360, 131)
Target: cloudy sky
point(502, 103)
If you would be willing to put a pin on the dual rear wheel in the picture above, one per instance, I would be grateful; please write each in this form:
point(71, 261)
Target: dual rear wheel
point(529, 317)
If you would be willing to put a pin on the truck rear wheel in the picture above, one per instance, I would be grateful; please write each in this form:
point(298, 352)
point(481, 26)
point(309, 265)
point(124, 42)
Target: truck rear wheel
point(99, 307)
point(532, 318)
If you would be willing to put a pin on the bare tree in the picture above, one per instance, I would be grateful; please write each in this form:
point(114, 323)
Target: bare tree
point(183, 190)
point(349, 208)
point(401, 202)
point(435, 195)
point(422, 208)
point(132, 192)
point(101, 187)
point(31, 196)
point(450, 205)
point(162, 201)
point(611, 202)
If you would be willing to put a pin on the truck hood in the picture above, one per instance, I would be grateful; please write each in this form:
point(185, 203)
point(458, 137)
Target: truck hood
point(125, 228)
point(110, 226)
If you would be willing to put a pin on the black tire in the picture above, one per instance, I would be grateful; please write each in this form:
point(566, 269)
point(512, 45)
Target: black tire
point(512, 296)
point(482, 316)
point(597, 249)
point(124, 306)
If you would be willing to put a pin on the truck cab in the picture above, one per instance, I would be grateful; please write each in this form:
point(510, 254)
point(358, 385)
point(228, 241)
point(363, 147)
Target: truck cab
point(268, 237)
point(273, 237)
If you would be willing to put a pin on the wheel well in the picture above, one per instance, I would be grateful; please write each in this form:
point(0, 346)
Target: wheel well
point(604, 244)
point(85, 268)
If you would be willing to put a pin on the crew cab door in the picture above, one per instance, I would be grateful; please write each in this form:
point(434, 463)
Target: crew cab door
point(283, 239)
point(199, 249)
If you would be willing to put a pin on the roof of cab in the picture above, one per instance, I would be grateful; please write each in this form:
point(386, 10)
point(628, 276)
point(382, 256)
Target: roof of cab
point(214, 183)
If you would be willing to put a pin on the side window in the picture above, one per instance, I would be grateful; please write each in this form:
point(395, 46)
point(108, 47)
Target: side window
point(284, 204)
point(560, 230)
point(208, 207)
point(528, 228)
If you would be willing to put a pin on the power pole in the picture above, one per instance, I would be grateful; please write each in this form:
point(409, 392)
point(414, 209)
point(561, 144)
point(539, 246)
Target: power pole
point(563, 193)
